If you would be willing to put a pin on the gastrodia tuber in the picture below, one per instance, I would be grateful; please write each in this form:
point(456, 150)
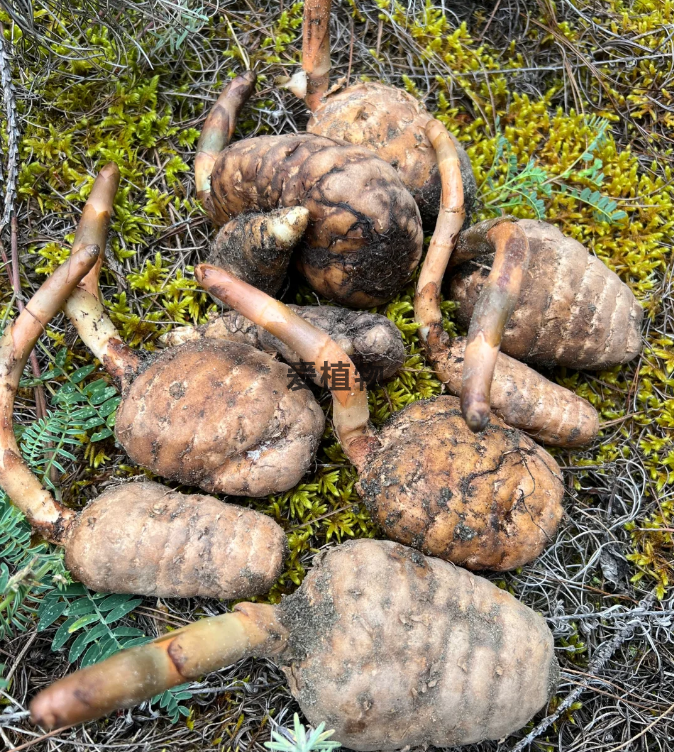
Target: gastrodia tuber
point(372, 341)
point(214, 414)
point(484, 501)
point(474, 367)
point(387, 120)
point(364, 238)
point(138, 537)
point(572, 311)
point(387, 647)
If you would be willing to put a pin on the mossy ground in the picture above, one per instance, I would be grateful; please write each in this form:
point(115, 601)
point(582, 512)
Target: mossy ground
point(523, 91)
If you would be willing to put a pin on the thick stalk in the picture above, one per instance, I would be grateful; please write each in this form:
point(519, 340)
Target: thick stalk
point(92, 228)
point(100, 335)
point(44, 513)
point(137, 674)
point(351, 414)
point(316, 50)
point(218, 131)
point(450, 219)
point(493, 309)
point(84, 307)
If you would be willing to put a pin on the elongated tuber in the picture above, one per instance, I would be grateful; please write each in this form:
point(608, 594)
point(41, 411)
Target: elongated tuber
point(572, 310)
point(475, 368)
point(138, 537)
point(372, 341)
point(488, 501)
point(389, 648)
point(257, 247)
point(214, 414)
point(388, 121)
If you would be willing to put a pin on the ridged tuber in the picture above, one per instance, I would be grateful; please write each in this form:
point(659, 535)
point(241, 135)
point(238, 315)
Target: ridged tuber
point(572, 311)
point(214, 414)
point(387, 647)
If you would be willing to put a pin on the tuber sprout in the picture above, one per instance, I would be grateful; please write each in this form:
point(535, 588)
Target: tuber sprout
point(137, 537)
point(214, 414)
point(387, 647)
point(488, 501)
point(474, 368)
point(258, 247)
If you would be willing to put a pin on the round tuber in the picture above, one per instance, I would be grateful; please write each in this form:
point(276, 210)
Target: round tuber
point(388, 121)
point(389, 648)
point(364, 237)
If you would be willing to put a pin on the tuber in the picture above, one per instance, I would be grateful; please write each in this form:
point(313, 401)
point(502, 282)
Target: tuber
point(372, 341)
point(387, 647)
point(488, 501)
point(137, 537)
point(572, 311)
point(214, 414)
point(364, 236)
point(386, 120)
point(474, 367)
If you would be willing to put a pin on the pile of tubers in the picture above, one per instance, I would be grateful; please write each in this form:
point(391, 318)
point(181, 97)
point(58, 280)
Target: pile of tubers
point(393, 644)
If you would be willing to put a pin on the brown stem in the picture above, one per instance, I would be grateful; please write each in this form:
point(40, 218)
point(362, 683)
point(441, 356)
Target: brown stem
point(350, 409)
point(316, 50)
point(15, 280)
point(47, 516)
point(137, 674)
point(92, 228)
point(84, 307)
point(450, 219)
point(427, 311)
point(490, 316)
point(218, 131)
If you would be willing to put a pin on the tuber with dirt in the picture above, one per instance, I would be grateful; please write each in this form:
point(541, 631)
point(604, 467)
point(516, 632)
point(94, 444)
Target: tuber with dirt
point(388, 121)
point(488, 501)
point(138, 537)
point(389, 648)
point(214, 414)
